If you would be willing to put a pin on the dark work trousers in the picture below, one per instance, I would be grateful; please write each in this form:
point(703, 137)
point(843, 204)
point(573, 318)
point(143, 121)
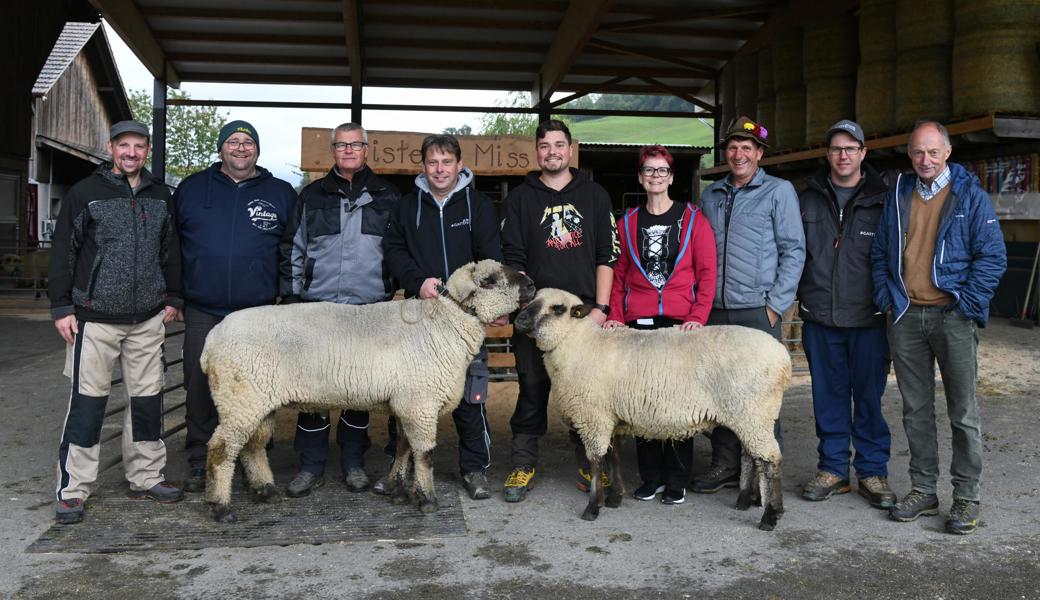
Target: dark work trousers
point(530, 420)
point(312, 440)
point(849, 369)
point(200, 415)
point(474, 437)
point(661, 461)
point(725, 447)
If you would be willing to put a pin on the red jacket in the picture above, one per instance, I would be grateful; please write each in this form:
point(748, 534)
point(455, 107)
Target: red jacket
point(690, 289)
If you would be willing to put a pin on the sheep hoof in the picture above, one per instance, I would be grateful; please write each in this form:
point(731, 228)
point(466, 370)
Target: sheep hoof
point(267, 494)
point(400, 499)
point(590, 514)
point(744, 500)
point(769, 519)
point(221, 513)
point(428, 506)
point(612, 501)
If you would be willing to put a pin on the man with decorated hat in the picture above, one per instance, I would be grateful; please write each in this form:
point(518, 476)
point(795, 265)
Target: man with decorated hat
point(231, 218)
point(761, 248)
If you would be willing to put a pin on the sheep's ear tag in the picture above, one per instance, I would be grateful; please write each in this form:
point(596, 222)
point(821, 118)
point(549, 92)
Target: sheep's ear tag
point(580, 311)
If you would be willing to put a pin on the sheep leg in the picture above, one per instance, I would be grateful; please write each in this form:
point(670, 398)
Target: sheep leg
point(424, 493)
point(256, 466)
point(749, 492)
point(220, 469)
point(617, 487)
point(773, 497)
point(421, 433)
point(401, 472)
point(595, 489)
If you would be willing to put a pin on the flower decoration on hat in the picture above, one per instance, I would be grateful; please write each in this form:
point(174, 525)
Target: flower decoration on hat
point(756, 130)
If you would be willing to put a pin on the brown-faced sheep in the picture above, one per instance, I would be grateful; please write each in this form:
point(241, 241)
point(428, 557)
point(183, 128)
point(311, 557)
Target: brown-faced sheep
point(409, 356)
point(663, 384)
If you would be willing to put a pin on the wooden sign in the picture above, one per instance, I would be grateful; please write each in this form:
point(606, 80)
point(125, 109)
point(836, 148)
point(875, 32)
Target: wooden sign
point(398, 152)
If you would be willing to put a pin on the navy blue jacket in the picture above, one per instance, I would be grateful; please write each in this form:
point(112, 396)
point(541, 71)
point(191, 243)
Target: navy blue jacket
point(229, 238)
point(970, 255)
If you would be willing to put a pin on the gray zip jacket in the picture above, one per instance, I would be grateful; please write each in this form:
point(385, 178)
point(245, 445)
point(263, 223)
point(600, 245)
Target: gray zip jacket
point(759, 240)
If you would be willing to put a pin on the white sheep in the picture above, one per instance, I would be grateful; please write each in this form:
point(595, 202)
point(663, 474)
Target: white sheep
point(663, 384)
point(409, 357)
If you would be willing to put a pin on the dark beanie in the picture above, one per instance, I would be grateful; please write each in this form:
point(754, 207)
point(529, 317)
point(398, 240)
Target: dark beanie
point(236, 127)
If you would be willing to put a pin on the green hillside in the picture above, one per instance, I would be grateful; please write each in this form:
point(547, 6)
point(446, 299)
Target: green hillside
point(643, 130)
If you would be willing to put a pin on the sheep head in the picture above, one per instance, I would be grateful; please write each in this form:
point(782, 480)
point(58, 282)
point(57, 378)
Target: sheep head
point(490, 290)
point(551, 317)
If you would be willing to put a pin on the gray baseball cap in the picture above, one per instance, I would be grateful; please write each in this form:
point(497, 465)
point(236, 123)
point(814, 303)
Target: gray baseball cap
point(848, 127)
point(128, 127)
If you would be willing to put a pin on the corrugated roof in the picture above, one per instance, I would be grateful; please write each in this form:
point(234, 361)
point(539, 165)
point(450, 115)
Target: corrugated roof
point(72, 39)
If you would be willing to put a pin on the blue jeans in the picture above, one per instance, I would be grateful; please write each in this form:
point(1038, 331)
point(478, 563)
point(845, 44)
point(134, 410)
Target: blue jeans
point(923, 336)
point(849, 369)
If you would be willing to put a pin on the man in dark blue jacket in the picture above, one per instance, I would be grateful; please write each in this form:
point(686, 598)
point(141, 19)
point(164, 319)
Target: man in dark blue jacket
point(937, 258)
point(844, 333)
point(231, 218)
point(440, 226)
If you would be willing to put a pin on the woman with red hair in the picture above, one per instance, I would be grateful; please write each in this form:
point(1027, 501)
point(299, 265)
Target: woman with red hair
point(664, 277)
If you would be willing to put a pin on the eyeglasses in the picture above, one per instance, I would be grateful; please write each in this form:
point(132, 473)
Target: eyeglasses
point(659, 171)
point(355, 146)
point(247, 144)
point(848, 150)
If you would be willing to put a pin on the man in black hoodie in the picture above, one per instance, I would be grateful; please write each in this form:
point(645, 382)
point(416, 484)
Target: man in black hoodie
point(558, 229)
point(844, 333)
point(440, 226)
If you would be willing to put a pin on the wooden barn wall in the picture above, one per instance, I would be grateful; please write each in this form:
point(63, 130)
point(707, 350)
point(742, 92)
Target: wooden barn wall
point(73, 112)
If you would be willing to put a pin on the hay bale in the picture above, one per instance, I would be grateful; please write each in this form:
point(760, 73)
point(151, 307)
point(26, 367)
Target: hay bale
point(765, 73)
point(787, 60)
point(765, 113)
point(988, 15)
point(876, 96)
point(746, 67)
point(790, 118)
point(829, 49)
point(997, 71)
point(923, 23)
point(827, 101)
point(877, 31)
point(923, 85)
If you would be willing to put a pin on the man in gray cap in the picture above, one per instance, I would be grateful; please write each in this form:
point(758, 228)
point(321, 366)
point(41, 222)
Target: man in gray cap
point(844, 333)
point(760, 248)
point(114, 284)
point(231, 218)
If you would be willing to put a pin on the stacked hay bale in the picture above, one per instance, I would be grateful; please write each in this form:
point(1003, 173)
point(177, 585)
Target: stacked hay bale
point(876, 76)
point(829, 68)
point(790, 90)
point(765, 110)
point(996, 62)
point(924, 38)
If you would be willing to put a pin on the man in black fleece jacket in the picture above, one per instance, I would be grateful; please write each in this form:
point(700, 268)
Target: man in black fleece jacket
point(559, 230)
point(440, 226)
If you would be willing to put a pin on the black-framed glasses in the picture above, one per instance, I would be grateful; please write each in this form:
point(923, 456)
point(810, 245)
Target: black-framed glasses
point(355, 146)
point(659, 171)
point(848, 150)
point(247, 144)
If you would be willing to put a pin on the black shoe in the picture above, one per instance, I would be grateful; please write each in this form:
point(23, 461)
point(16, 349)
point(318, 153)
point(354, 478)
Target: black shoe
point(476, 485)
point(303, 484)
point(715, 479)
point(673, 496)
point(196, 482)
point(648, 491)
point(964, 517)
point(914, 505)
point(162, 492)
point(356, 480)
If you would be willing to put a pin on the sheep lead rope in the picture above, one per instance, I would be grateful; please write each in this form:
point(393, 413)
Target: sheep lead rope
point(443, 291)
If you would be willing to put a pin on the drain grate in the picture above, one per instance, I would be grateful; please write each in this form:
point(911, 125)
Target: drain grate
point(114, 523)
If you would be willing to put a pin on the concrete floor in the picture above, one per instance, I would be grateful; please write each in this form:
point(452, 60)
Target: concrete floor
point(540, 548)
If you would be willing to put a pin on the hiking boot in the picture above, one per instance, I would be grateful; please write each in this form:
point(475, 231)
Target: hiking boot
point(356, 480)
point(303, 484)
point(69, 511)
point(673, 496)
point(914, 505)
point(196, 481)
point(715, 479)
point(964, 517)
point(163, 492)
point(825, 485)
point(476, 485)
point(647, 491)
point(585, 480)
point(877, 491)
point(519, 481)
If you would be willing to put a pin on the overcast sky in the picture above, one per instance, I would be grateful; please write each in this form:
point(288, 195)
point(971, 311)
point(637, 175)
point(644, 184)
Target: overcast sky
point(279, 128)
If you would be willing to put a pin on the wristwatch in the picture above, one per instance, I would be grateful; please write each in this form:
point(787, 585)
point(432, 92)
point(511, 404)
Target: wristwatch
point(605, 308)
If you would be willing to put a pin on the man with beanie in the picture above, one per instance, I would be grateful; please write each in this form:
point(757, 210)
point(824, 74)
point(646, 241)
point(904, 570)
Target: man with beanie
point(231, 218)
point(844, 333)
point(334, 253)
point(760, 248)
point(114, 284)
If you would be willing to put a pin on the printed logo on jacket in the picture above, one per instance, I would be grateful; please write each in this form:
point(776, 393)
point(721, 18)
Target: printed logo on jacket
point(262, 214)
point(564, 225)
